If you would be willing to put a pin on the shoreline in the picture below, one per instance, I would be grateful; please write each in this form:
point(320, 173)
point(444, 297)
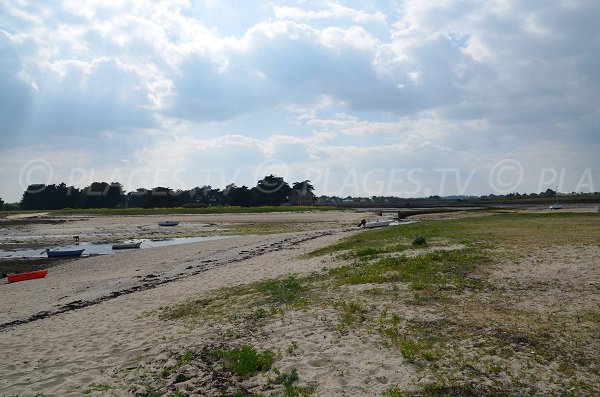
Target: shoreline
point(489, 302)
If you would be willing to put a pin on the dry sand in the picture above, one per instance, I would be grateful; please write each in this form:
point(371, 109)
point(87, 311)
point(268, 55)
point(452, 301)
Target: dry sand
point(66, 331)
point(87, 327)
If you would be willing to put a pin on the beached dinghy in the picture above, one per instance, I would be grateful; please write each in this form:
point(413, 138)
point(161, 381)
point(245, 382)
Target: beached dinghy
point(124, 246)
point(374, 224)
point(60, 253)
point(168, 223)
point(14, 277)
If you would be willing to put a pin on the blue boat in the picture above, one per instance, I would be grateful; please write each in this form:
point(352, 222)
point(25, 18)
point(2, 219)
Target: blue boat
point(168, 223)
point(55, 254)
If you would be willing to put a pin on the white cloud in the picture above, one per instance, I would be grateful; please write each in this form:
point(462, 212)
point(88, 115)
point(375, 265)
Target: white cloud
point(321, 85)
point(329, 10)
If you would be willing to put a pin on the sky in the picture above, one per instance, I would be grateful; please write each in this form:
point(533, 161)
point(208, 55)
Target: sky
point(364, 98)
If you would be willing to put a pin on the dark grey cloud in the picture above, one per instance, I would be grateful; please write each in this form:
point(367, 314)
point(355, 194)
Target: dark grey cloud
point(15, 94)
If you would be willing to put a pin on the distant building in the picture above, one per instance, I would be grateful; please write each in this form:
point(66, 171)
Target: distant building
point(302, 197)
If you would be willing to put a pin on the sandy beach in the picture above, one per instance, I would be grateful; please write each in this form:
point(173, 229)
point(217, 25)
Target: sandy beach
point(97, 326)
point(62, 332)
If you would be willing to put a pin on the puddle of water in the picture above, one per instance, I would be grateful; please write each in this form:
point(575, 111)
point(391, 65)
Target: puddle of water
point(106, 249)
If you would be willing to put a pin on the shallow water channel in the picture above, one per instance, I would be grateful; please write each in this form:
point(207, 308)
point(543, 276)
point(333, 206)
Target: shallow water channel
point(106, 248)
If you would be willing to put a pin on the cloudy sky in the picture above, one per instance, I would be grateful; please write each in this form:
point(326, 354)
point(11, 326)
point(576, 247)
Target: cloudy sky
point(406, 98)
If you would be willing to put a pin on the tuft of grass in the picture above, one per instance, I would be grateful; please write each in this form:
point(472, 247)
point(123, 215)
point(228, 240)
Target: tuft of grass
point(284, 291)
point(292, 347)
point(243, 361)
point(295, 391)
point(97, 387)
point(351, 313)
point(419, 241)
point(392, 391)
point(366, 251)
point(411, 348)
point(286, 378)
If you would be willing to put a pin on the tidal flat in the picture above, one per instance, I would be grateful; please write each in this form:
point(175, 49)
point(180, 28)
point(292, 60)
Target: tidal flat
point(493, 303)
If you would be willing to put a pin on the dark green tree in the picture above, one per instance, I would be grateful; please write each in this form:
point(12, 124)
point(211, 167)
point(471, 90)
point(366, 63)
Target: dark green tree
point(160, 197)
point(138, 198)
point(304, 186)
point(272, 190)
point(1, 204)
point(240, 196)
point(115, 196)
point(32, 199)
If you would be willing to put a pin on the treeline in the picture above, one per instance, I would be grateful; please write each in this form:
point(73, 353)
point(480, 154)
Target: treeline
point(271, 190)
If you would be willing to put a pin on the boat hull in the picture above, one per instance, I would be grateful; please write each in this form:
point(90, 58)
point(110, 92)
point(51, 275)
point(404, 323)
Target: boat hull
point(56, 254)
point(371, 225)
point(168, 223)
point(126, 246)
point(16, 277)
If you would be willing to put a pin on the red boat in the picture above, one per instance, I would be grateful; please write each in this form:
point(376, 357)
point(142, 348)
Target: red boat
point(13, 278)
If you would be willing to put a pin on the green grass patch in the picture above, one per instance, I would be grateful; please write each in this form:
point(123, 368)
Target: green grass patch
point(97, 387)
point(351, 313)
point(510, 229)
point(265, 299)
point(419, 241)
point(388, 239)
point(392, 391)
point(411, 347)
point(366, 251)
point(243, 361)
point(212, 306)
point(287, 379)
point(286, 291)
point(450, 269)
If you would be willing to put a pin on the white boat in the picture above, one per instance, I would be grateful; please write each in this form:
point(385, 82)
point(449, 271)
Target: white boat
point(377, 223)
point(168, 223)
point(123, 246)
point(399, 223)
point(556, 206)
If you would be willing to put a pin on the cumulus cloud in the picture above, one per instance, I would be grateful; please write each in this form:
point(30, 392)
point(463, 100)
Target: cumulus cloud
point(322, 86)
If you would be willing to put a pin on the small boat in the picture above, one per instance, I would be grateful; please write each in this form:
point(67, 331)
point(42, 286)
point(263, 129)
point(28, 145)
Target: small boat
point(556, 206)
point(168, 223)
point(123, 246)
point(377, 223)
point(58, 253)
point(15, 277)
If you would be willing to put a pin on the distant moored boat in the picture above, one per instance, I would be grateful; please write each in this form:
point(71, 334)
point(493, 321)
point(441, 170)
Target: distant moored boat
point(60, 253)
point(168, 223)
point(374, 224)
point(122, 246)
